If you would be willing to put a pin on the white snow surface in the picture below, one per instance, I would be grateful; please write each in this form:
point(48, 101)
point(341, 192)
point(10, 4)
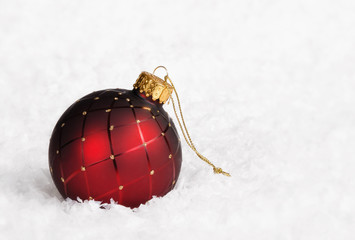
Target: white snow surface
point(267, 89)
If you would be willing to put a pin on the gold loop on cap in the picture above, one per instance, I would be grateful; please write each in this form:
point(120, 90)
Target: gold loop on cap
point(166, 70)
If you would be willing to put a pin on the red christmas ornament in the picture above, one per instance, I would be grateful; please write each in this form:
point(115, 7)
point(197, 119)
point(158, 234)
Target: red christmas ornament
point(117, 144)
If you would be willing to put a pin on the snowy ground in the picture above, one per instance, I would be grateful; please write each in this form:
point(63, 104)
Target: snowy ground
point(268, 94)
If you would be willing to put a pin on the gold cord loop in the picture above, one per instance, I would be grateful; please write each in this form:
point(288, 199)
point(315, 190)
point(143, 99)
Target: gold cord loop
point(183, 127)
point(166, 70)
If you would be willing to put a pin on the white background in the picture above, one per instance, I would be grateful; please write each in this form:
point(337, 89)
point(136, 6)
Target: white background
point(267, 89)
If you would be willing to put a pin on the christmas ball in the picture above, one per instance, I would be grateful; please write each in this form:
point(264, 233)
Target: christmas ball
point(117, 144)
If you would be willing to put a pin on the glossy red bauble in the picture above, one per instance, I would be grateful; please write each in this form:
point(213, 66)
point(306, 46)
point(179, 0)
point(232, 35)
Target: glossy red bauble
point(115, 144)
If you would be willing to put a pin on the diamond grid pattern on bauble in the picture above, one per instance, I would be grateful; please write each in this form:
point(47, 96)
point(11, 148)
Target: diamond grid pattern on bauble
point(114, 144)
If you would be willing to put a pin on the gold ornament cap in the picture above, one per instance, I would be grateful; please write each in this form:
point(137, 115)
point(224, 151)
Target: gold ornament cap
point(153, 86)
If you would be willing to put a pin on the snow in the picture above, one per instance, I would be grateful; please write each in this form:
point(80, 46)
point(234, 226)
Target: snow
point(267, 90)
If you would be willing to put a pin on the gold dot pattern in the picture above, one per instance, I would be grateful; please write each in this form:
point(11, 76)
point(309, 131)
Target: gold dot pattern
point(85, 167)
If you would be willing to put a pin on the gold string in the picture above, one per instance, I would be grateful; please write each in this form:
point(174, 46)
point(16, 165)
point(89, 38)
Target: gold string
point(183, 127)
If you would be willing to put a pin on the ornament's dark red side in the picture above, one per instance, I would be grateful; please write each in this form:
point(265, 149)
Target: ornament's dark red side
point(117, 144)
